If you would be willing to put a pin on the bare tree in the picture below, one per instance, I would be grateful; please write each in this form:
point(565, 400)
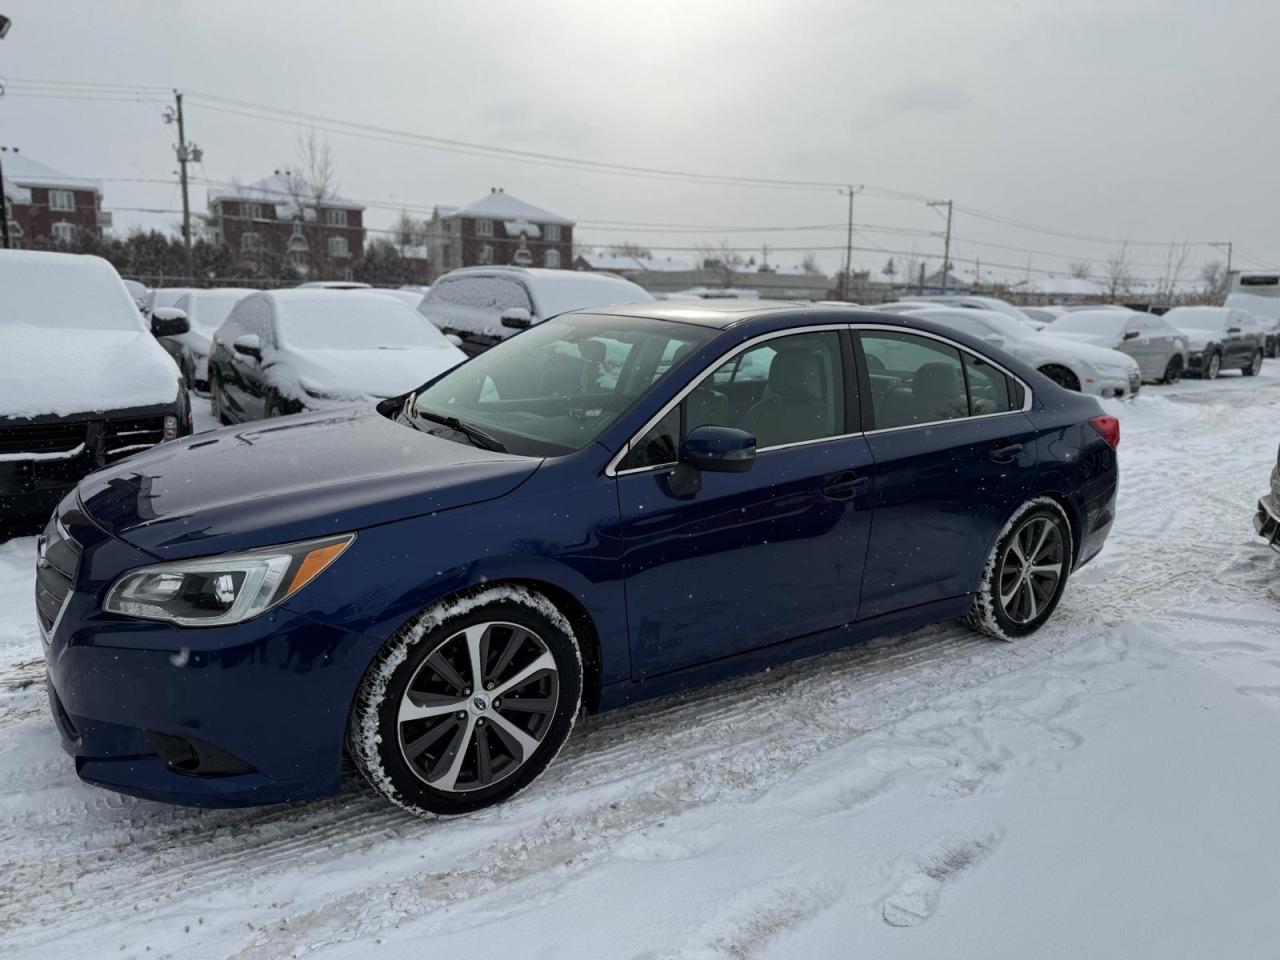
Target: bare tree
point(411, 232)
point(721, 259)
point(1118, 273)
point(1175, 262)
point(809, 262)
point(316, 167)
point(890, 269)
point(1081, 269)
point(1214, 278)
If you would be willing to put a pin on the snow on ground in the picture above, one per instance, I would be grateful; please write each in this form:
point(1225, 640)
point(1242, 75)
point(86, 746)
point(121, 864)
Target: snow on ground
point(1105, 788)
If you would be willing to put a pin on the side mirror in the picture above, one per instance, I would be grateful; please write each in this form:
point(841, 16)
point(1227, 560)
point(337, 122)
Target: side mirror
point(169, 322)
point(1130, 335)
point(994, 339)
point(454, 339)
point(517, 318)
point(715, 449)
point(248, 345)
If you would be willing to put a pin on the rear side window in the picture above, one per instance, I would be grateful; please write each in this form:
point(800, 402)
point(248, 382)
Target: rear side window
point(990, 390)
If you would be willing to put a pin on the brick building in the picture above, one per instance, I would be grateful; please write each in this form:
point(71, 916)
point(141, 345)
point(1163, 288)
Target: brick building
point(280, 219)
point(499, 229)
point(45, 206)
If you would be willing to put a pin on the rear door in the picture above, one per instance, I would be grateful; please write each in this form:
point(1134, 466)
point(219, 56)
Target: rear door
point(752, 558)
point(954, 456)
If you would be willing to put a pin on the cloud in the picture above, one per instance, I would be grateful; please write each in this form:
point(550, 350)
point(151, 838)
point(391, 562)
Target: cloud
point(930, 98)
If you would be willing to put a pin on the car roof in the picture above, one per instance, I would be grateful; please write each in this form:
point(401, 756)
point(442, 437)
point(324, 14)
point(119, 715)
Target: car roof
point(711, 313)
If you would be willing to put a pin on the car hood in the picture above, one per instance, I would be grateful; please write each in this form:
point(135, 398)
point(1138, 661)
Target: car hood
point(359, 374)
point(1090, 351)
point(1197, 339)
point(288, 479)
point(46, 371)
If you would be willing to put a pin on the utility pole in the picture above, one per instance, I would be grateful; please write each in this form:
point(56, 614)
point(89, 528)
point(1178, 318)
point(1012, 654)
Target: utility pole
point(848, 241)
point(946, 244)
point(4, 205)
point(187, 152)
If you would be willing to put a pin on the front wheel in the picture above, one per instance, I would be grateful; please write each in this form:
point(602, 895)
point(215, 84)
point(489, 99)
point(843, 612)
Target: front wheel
point(1025, 573)
point(1214, 367)
point(1173, 371)
point(467, 704)
point(1255, 365)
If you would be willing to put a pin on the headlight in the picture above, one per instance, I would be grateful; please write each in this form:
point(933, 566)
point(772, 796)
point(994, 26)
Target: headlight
point(221, 590)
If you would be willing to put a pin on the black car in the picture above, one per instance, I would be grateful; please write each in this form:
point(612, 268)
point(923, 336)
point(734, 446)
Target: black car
point(83, 381)
point(1219, 338)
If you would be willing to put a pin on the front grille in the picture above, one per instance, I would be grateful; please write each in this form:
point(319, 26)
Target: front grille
point(59, 558)
point(41, 438)
point(120, 438)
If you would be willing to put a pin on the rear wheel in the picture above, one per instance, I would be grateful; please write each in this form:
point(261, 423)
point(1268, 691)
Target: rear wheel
point(1062, 376)
point(1025, 573)
point(1213, 367)
point(468, 704)
point(1173, 371)
point(1255, 365)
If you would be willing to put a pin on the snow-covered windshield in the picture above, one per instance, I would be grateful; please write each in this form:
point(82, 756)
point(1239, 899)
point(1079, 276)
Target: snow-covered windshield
point(208, 308)
point(335, 320)
point(64, 292)
point(1091, 321)
point(558, 386)
point(1197, 318)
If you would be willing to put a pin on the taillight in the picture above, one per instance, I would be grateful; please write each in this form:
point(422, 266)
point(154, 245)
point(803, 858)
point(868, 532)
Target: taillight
point(1109, 427)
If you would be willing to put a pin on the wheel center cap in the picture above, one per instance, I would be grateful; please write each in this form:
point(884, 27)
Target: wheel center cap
point(479, 704)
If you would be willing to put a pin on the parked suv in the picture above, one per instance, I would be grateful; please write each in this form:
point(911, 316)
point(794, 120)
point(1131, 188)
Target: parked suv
point(1219, 338)
point(481, 306)
point(83, 382)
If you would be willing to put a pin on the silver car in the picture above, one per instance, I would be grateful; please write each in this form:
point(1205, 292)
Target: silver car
point(1158, 347)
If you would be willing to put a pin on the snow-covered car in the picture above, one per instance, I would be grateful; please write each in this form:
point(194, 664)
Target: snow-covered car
point(1264, 310)
point(974, 302)
point(286, 351)
point(164, 298)
point(1219, 338)
point(334, 285)
point(482, 306)
point(1267, 520)
point(205, 310)
point(1075, 366)
point(139, 293)
point(1158, 347)
point(1045, 315)
point(83, 382)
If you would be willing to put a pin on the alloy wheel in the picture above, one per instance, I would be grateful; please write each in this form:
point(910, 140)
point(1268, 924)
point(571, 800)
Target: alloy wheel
point(1031, 569)
point(478, 707)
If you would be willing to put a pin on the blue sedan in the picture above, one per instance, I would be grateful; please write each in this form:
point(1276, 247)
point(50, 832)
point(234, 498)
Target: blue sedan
point(610, 506)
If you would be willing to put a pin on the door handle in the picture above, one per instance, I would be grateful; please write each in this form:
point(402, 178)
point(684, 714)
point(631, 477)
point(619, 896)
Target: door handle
point(842, 486)
point(1005, 452)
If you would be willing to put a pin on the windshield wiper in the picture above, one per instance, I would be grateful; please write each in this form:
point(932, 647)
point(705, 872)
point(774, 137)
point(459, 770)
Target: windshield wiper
point(473, 433)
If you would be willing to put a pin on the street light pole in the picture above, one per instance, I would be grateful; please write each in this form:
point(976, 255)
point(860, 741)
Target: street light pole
point(848, 241)
point(946, 244)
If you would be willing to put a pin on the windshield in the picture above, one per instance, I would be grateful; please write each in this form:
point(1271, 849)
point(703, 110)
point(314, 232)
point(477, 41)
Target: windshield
point(353, 321)
point(1091, 321)
point(61, 292)
point(1193, 318)
point(208, 310)
point(559, 385)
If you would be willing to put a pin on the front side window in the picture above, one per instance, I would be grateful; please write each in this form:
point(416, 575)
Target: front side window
point(559, 385)
point(913, 380)
point(786, 390)
point(491, 294)
point(62, 200)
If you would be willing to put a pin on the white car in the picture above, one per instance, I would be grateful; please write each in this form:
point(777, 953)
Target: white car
point(972, 302)
point(481, 306)
point(1076, 366)
point(205, 310)
point(1159, 348)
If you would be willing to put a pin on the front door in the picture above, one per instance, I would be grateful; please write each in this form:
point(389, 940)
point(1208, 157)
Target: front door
point(954, 457)
point(759, 557)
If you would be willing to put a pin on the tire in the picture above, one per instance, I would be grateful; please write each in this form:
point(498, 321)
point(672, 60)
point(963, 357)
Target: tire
point(1212, 367)
point(1061, 376)
point(469, 750)
point(1173, 371)
point(1255, 365)
point(1009, 603)
point(215, 402)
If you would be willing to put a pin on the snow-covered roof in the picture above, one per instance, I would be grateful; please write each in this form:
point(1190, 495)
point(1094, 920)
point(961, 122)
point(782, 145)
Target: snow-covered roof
point(499, 205)
point(284, 190)
point(616, 263)
point(25, 172)
point(15, 193)
point(1065, 286)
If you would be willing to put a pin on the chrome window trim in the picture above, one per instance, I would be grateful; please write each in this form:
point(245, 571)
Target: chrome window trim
point(1027, 397)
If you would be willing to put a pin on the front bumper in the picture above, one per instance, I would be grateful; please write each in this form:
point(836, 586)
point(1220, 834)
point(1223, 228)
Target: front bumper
point(239, 715)
point(1117, 385)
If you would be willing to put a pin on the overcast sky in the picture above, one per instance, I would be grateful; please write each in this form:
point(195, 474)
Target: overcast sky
point(1152, 121)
